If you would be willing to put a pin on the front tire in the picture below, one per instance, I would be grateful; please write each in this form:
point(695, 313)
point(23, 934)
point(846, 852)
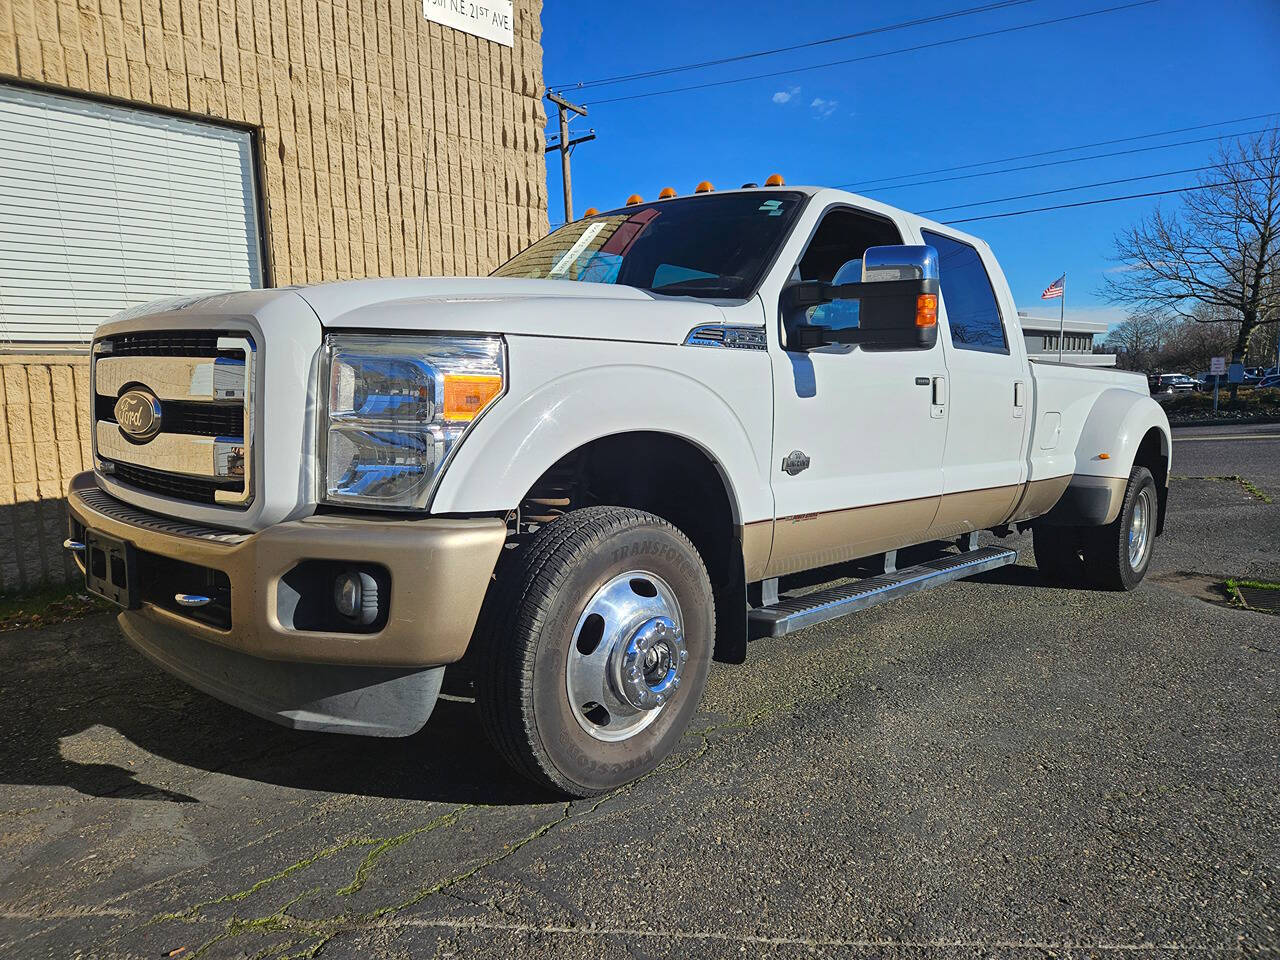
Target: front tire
point(1117, 556)
point(597, 642)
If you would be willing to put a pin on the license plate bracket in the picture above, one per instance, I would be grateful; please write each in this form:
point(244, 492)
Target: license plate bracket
point(110, 569)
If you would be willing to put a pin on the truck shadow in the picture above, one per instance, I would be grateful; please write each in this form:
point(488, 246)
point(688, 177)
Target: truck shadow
point(1017, 575)
point(83, 710)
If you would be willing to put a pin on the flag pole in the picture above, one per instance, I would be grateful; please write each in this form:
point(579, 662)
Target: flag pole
point(1062, 315)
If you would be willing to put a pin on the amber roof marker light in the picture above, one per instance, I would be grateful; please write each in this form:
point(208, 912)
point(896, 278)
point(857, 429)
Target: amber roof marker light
point(634, 199)
point(590, 212)
point(704, 187)
point(775, 180)
point(667, 193)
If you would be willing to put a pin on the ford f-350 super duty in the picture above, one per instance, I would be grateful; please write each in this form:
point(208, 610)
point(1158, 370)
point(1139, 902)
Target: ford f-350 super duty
point(571, 483)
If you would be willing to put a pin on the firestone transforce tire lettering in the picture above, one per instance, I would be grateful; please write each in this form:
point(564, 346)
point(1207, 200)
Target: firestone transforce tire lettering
point(608, 605)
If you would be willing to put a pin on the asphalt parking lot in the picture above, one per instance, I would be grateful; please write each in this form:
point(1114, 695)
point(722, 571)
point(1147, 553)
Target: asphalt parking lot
point(995, 768)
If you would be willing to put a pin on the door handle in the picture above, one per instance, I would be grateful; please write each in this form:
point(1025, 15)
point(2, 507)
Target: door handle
point(1019, 398)
point(939, 391)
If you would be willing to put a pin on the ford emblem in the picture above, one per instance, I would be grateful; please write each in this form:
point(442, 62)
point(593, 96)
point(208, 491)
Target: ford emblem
point(138, 414)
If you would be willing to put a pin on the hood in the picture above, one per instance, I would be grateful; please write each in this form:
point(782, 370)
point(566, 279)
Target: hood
point(546, 308)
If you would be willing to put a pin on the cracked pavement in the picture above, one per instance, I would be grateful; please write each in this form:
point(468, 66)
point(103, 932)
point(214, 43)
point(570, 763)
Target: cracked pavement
point(994, 768)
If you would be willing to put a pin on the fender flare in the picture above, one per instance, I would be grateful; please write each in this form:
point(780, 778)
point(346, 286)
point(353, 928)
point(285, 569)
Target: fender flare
point(1106, 449)
point(1116, 425)
point(516, 442)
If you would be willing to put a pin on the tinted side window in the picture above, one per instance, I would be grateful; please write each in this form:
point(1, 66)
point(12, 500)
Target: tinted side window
point(972, 312)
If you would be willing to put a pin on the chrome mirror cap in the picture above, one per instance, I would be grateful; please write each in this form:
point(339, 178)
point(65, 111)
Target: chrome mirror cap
point(880, 264)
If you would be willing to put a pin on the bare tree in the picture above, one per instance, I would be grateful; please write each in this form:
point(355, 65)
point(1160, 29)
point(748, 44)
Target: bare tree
point(1139, 339)
point(1217, 259)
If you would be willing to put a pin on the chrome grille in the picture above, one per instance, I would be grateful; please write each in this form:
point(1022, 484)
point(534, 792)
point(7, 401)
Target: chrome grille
point(200, 385)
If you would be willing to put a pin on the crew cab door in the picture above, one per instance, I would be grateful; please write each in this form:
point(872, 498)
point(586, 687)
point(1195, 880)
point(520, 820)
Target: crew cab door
point(984, 464)
point(858, 435)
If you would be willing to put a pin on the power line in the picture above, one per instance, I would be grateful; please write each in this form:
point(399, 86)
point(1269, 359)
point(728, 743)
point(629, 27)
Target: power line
point(873, 56)
point(1044, 153)
point(889, 28)
point(1083, 186)
point(1055, 163)
point(1090, 203)
point(1089, 186)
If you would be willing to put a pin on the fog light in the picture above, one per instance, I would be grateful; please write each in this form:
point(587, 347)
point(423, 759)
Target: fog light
point(355, 594)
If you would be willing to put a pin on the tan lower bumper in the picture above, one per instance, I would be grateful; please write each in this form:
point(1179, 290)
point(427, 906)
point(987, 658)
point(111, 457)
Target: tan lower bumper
point(439, 571)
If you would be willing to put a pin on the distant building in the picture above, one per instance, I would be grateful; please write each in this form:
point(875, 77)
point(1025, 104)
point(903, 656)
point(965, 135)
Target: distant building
point(1041, 336)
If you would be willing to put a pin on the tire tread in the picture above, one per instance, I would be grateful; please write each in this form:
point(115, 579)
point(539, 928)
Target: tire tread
point(529, 578)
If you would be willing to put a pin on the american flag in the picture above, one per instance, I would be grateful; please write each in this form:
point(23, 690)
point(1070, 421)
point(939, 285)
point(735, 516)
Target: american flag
point(1054, 290)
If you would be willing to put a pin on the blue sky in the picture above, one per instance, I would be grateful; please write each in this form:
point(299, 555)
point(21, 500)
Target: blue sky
point(1166, 65)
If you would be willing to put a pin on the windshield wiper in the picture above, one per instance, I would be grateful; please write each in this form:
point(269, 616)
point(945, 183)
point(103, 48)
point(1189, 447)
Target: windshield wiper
point(722, 285)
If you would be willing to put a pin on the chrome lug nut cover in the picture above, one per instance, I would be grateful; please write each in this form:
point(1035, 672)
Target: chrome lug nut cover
point(650, 664)
point(626, 656)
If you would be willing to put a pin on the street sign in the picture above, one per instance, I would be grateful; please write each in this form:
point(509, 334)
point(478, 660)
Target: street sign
point(1235, 373)
point(1218, 366)
point(493, 19)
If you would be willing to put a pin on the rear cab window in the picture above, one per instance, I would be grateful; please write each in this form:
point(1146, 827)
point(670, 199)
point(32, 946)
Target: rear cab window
point(973, 315)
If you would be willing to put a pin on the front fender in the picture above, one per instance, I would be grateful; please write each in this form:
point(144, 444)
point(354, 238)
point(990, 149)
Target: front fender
point(583, 391)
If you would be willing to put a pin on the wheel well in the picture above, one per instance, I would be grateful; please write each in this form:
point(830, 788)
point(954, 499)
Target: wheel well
point(1153, 455)
point(667, 476)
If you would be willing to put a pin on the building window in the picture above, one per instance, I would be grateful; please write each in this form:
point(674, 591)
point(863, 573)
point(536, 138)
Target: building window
point(105, 207)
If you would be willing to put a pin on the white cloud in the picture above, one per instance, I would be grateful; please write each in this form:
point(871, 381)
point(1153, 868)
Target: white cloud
point(786, 96)
point(824, 108)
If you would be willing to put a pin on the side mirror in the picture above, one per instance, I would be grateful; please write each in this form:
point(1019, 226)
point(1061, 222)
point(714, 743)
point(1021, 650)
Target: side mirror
point(897, 297)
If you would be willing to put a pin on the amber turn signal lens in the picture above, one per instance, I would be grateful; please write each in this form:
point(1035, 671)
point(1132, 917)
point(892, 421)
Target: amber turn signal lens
point(590, 212)
point(667, 193)
point(634, 199)
point(466, 395)
point(775, 180)
point(927, 310)
point(704, 187)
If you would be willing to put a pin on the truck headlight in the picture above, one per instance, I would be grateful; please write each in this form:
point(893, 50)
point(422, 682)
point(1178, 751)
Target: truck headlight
point(395, 408)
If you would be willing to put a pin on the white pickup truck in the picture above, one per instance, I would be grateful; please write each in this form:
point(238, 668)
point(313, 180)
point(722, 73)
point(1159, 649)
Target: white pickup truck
point(643, 439)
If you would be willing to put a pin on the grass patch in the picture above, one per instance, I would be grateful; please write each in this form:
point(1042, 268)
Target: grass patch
point(47, 606)
point(1246, 484)
point(1235, 590)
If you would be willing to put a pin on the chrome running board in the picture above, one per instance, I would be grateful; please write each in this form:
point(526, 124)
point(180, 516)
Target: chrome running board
point(789, 614)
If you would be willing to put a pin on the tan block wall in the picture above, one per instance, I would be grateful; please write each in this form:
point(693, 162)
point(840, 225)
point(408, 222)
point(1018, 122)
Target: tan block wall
point(388, 145)
point(44, 441)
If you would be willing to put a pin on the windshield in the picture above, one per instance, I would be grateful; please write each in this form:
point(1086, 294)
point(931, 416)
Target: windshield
point(715, 246)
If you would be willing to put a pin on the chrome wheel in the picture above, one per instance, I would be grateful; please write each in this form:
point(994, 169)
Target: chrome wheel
point(626, 657)
point(1140, 528)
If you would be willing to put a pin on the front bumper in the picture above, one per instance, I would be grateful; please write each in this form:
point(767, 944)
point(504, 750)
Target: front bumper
point(438, 569)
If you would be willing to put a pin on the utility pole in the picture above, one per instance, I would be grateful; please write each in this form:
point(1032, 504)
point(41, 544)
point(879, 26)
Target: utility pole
point(566, 145)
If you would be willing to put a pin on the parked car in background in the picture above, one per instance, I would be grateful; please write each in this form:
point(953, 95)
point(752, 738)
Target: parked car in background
point(1172, 383)
point(1205, 382)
